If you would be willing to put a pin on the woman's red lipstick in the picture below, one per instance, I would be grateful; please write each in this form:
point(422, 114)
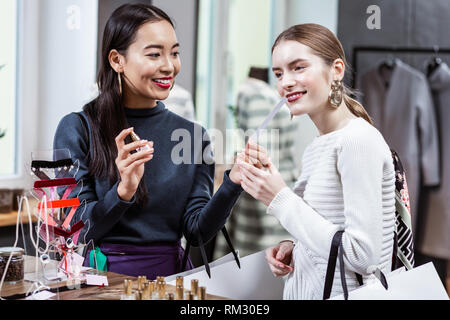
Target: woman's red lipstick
point(163, 82)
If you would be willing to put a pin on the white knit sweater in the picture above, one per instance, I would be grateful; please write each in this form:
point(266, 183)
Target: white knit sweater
point(347, 183)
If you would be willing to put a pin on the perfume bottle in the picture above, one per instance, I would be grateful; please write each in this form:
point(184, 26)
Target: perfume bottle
point(146, 294)
point(128, 290)
point(162, 290)
point(160, 287)
point(152, 288)
point(141, 280)
point(201, 295)
point(180, 281)
point(189, 295)
point(179, 292)
point(170, 296)
point(135, 138)
point(194, 287)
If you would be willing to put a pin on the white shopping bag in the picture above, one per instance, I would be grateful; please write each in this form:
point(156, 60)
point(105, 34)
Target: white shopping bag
point(253, 281)
point(420, 283)
point(227, 258)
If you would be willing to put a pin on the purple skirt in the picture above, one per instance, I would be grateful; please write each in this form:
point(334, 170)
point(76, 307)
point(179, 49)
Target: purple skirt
point(160, 259)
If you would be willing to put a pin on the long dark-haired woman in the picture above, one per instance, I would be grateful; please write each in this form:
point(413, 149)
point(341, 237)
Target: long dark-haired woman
point(140, 203)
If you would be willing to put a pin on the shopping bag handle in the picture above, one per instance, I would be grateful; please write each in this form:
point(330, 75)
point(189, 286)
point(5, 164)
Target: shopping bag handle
point(203, 253)
point(337, 251)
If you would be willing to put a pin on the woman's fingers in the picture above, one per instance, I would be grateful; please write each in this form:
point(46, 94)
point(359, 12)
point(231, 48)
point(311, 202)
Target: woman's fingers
point(253, 145)
point(120, 139)
point(258, 156)
point(257, 153)
point(137, 163)
point(255, 172)
point(277, 267)
point(248, 187)
point(252, 160)
point(126, 149)
point(135, 157)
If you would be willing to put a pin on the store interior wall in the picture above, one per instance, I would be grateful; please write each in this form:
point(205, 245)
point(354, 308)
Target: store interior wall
point(67, 61)
point(404, 23)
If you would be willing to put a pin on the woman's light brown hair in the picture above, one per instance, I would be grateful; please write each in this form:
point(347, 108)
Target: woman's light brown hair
point(326, 45)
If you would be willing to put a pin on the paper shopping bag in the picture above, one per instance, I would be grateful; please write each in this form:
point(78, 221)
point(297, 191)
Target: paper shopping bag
point(420, 283)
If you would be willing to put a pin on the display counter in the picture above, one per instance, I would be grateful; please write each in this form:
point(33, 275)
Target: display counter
point(112, 291)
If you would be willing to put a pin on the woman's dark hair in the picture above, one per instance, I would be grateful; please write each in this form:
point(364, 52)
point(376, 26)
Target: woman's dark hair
point(106, 113)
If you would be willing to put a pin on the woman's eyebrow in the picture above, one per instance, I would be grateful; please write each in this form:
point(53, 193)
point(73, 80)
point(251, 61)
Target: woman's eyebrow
point(290, 64)
point(158, 46)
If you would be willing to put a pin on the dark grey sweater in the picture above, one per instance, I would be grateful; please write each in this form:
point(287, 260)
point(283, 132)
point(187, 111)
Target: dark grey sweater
point(180, 195)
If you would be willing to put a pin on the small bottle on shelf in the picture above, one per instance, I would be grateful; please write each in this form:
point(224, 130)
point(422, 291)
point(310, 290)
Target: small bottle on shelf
point(170, 296)
point(162, 290)
point(201, 295)
point(189, 295)
point(194, 287)
point(180, 281)
point(128, 290)
point(179, 292)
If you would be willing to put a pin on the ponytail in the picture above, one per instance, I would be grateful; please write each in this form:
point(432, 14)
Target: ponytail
point(355, 107)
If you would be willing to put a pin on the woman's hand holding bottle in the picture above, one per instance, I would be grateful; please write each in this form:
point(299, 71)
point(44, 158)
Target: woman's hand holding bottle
point(131, 166)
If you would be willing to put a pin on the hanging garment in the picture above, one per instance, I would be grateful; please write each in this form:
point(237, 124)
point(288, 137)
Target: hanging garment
point(402, 109)
point(436, 238)
point(251, 229)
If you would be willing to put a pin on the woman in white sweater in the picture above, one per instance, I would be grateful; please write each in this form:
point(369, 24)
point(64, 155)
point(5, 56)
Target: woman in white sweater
point(347, 180)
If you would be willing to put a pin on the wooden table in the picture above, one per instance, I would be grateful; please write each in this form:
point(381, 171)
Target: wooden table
point(112, 292)
point(10, 219)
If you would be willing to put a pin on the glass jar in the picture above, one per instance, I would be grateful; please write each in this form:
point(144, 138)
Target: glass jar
point(16, 268)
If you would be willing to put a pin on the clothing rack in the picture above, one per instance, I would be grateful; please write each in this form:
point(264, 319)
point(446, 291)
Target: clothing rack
point(393, 49)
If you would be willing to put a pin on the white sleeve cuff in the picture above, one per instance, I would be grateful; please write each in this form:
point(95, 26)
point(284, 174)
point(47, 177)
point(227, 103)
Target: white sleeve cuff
point(280, 202)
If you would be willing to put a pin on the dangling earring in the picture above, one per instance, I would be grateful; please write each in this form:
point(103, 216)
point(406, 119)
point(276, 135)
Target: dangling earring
point(336, 94)
point(120, 83)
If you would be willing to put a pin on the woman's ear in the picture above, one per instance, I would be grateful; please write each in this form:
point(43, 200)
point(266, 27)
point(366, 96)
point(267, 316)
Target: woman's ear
point(338, 69)
point(116, 60)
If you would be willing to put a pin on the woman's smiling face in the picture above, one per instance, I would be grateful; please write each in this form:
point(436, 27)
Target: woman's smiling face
point(151, 62)
point(302, 77)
